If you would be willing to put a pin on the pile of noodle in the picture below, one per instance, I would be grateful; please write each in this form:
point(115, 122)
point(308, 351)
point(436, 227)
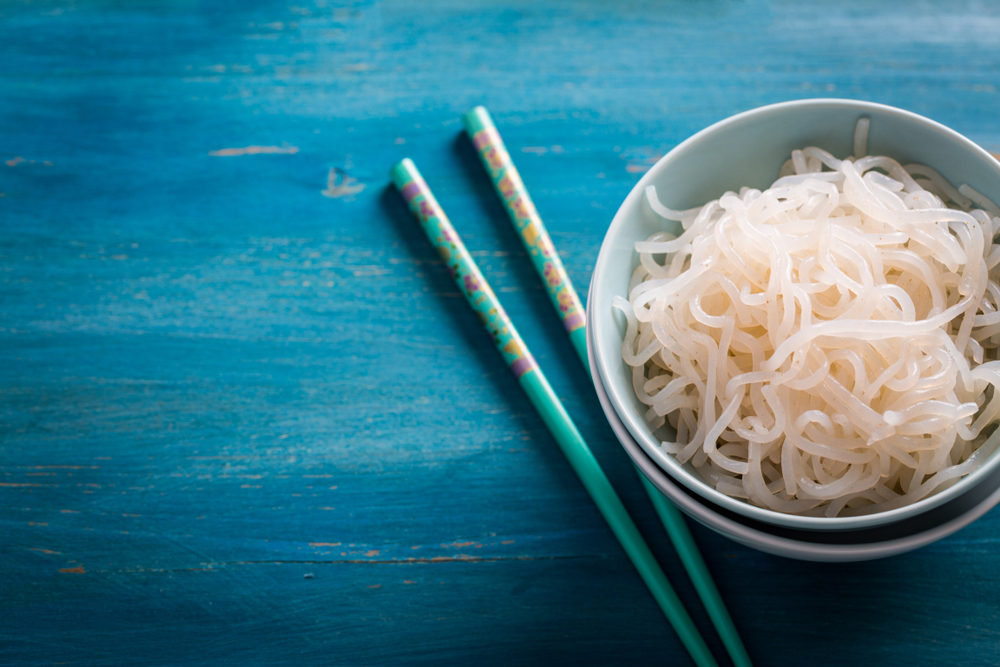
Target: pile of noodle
point(827, 346)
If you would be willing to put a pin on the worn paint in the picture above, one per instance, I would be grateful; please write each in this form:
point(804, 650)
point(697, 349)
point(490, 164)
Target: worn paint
point(340, 184)
point(255, 150)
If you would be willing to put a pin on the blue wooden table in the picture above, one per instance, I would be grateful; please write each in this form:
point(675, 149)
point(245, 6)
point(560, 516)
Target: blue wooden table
point(245, 416)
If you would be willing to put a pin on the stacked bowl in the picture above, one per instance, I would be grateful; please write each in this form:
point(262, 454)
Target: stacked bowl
point(745, 150)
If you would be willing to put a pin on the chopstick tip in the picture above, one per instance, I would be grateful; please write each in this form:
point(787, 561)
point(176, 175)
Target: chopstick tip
point(403, 171)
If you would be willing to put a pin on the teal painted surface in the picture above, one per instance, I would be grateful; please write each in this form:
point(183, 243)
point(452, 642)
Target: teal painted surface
point(275, 325)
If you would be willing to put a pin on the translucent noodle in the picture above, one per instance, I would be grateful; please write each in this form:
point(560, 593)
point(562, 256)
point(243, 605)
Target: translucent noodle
point(828, 346)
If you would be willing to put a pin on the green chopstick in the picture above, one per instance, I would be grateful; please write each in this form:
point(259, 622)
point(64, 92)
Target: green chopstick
point(515, 353)
point(479, 126)
point(486, 139)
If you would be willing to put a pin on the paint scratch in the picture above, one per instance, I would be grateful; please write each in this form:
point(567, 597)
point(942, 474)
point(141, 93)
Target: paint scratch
point(542, 150)
point(73, 570)
point(462, 558)
point(640, 160)
point(641, 167)
point(255, 150)
point(339, 184)
point(67, 467)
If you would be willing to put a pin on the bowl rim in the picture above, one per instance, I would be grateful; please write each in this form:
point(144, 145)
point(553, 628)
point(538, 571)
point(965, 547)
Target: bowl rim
point(635, 423)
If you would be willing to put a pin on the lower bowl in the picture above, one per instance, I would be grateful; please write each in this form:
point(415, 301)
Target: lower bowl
point(824, 546)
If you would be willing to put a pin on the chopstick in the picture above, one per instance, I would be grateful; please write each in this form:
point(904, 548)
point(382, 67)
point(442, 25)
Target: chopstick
point(515, 353)
point(507, 181)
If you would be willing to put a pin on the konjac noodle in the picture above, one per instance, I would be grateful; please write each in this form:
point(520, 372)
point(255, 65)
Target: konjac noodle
point(827, 346)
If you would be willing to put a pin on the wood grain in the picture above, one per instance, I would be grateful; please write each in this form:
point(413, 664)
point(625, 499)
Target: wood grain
point(229, 359)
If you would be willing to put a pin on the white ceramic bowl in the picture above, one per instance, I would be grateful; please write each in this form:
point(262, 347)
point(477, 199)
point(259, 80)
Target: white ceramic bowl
point(747, 150)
